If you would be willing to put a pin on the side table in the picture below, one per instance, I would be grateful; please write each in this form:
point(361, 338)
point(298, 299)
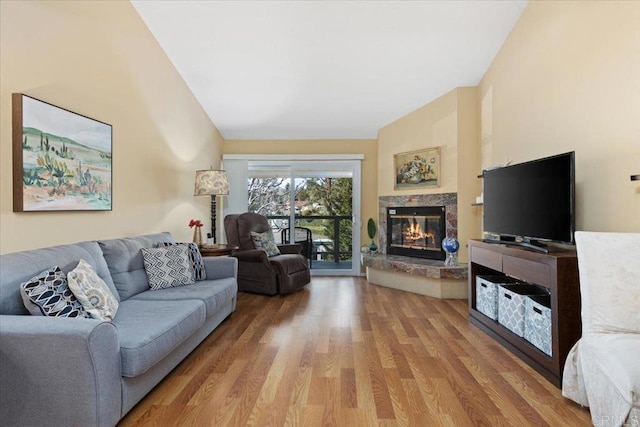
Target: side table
point(216, 250)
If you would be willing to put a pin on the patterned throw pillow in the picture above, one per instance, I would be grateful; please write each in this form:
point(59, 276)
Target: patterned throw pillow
point(194, 256)
point(266, 242)
point(48, 294)
point(167, 267)
point(92, 292)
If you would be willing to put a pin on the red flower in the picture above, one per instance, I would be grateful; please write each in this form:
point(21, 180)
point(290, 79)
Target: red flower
point(195, 223)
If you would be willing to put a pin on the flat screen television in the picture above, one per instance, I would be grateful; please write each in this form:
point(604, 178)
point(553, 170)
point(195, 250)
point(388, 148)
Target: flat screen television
point(529, 203)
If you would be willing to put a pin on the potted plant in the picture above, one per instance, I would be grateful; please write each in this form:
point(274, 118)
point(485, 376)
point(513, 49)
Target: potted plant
point(371, 231)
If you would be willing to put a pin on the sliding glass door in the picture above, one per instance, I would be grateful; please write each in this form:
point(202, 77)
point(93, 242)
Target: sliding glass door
point(324, 211)
point(314, 204)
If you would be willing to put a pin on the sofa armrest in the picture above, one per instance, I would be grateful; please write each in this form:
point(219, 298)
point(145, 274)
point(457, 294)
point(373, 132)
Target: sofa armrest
point(293, 248)
point(221, 267)
point(57, 371)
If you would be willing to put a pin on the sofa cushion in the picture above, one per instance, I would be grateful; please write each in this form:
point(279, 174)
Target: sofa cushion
point(195, 257)
point(213, 293)
point(150, 330)
point(167, 267)
point(19, 267)
point(92, 292)
point(124, 259)
point(48, 294)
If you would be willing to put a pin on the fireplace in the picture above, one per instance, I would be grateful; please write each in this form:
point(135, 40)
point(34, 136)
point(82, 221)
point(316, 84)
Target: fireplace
point(416, 231)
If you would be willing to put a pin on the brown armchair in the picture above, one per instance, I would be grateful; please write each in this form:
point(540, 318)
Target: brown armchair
point(257, 272)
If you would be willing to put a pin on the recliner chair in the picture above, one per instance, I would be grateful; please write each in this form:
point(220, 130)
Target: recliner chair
point(257, 272)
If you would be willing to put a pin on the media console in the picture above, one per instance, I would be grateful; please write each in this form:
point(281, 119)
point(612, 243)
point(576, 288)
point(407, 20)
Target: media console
point(557, 271)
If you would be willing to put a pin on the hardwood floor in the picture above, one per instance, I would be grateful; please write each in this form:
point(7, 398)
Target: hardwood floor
point(343, 352)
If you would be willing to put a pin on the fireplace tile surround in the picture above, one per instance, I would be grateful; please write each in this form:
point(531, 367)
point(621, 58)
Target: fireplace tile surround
point(422, 276)
point(448, 200)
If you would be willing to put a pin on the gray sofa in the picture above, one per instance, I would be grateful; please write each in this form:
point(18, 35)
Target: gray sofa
point(69, 371)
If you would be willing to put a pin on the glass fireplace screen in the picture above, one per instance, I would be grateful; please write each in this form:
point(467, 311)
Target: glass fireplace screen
point(416, 231)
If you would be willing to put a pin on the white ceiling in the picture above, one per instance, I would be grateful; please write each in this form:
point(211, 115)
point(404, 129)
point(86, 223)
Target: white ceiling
point(325, 69)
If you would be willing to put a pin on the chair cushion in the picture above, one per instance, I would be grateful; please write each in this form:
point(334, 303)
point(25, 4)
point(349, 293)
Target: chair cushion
point(92, 292)
point(610, 363)
point(616, 357)
point(149, 330)
point(248, 222)
point(290, 263)
point(213, 293)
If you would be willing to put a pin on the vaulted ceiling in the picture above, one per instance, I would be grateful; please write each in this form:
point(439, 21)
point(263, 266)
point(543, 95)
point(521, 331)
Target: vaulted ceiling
point(325, 69)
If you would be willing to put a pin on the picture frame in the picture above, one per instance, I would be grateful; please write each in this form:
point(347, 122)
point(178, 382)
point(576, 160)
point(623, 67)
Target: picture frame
point(62, 161)
point(417, 169)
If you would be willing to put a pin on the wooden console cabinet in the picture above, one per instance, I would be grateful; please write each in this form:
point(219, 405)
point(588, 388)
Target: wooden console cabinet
point(558, 272)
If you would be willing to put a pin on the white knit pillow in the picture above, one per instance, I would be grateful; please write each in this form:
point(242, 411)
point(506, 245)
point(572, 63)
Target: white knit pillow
point(92, 292)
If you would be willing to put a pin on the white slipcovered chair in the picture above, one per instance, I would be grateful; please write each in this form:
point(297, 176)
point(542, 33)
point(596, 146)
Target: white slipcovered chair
point(602, 370)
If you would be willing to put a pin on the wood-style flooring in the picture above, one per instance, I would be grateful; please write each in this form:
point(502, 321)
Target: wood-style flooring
point(343, 352)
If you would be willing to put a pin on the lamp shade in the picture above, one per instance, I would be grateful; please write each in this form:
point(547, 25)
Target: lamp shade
point(211, 183)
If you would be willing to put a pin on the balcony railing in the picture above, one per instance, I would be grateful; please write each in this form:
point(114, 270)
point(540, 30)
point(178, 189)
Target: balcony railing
point(323, 249)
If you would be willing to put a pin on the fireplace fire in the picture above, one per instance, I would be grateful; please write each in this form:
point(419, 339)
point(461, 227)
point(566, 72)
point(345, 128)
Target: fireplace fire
point(414, 236)
point(416, 231)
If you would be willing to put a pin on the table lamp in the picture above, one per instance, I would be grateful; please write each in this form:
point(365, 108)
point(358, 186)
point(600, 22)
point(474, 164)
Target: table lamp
point(211, 183)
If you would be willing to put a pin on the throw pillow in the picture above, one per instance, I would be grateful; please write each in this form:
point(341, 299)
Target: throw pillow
point(48, 294)
point(266, 242)
point(92, 292)
point(195, 257)
point(167, 267)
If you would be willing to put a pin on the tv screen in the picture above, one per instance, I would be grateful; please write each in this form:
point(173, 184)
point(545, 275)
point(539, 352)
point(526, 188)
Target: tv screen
point(532, 201)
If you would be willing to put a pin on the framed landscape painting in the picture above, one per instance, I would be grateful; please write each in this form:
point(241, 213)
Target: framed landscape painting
point(61, 159)
point(417, 169)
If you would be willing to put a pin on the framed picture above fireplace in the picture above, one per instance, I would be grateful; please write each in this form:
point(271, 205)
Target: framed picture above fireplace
point(417, 169)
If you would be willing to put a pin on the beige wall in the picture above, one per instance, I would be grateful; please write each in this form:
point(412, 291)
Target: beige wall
point(433, 125)
point(568, 79)
point(450, 122)
point(368, 147)
point(99, 59)
point(468, 163)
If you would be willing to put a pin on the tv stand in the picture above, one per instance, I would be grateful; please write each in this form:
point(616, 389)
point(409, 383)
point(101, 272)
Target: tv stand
point(558, 273)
